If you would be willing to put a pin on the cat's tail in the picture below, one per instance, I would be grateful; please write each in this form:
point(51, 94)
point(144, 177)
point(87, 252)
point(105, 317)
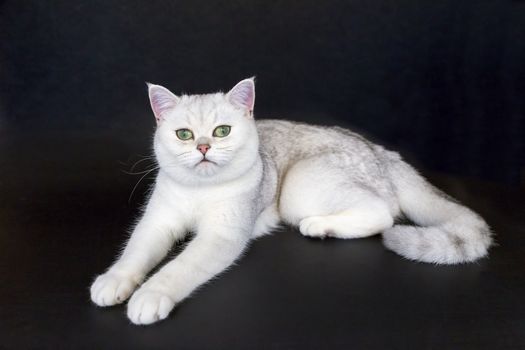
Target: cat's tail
point(447, 232)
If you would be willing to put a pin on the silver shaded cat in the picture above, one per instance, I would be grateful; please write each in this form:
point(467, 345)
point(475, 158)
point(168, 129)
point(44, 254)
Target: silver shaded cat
point(229, 179)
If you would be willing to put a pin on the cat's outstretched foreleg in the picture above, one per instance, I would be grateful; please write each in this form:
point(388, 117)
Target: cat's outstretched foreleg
point(148, 245)
point(220, 240)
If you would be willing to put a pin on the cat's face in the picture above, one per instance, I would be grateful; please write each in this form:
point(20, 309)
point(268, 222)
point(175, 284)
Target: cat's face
point(205, 138)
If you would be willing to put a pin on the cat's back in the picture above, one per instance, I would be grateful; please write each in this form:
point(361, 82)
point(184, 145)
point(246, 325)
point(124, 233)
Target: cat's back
point(283, 139)
point(288, 143)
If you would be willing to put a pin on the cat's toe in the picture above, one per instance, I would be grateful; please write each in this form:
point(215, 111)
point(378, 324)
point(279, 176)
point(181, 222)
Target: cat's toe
point(146, 307)
point(110, 289)
point(314, 226)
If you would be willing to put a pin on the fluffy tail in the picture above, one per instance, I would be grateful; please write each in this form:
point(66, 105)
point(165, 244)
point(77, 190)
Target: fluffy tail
point(448, 233)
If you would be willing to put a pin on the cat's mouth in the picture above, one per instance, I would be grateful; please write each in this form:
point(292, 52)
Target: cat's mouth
point(205, 161)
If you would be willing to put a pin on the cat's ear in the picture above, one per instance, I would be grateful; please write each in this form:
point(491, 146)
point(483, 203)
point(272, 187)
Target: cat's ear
point(162, 100)
point(243, 95)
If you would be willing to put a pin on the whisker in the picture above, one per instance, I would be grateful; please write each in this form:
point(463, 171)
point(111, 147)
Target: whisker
point(146, 173)
point(138, 162)
point(183, 153)
point(138, 182)
point(139, 172)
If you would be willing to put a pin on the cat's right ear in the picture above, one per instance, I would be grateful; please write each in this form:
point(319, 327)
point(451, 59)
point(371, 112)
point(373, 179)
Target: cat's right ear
point(162, 101)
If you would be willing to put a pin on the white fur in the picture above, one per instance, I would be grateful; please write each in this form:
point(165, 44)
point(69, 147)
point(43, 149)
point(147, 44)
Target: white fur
point(326, 181)
point(449, 233)
point(208, 198)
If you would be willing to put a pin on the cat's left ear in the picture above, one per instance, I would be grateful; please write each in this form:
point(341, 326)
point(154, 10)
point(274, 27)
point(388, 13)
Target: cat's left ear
point(243, 95)
point(162, 101)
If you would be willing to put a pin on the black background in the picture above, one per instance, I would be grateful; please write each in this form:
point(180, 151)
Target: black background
point(443, 82)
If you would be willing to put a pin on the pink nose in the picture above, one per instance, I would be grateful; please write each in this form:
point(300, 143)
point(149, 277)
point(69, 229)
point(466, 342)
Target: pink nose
point(203, 148)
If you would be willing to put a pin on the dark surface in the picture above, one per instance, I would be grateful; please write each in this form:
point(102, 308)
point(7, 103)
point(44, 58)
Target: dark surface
point(63, 212)
point(441, 81)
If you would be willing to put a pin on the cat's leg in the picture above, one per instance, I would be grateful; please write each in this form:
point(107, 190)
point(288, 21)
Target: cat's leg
point(322, 200)
point(218, 243)
point(148, 245)
point(266, 221)
point(365, 218)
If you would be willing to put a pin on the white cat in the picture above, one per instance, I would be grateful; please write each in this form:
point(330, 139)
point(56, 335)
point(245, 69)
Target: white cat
point(229, 179)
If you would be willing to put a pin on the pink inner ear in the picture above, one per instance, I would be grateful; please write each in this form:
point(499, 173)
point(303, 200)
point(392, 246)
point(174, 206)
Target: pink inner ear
point(162, 100)
point(243, 94)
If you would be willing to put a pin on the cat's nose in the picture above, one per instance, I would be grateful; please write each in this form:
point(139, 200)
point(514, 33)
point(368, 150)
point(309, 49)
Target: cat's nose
point(203, 148)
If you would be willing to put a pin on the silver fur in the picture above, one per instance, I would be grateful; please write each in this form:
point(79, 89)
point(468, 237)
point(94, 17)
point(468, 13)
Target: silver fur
point(449, 232)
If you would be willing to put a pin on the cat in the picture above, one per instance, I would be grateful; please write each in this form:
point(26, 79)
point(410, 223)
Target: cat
point(230, 179)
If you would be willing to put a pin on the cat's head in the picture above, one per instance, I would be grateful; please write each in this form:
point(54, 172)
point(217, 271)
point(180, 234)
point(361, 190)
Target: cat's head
point(205, 138)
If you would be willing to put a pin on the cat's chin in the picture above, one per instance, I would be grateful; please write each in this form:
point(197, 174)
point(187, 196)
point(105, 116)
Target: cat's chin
point(206, 168)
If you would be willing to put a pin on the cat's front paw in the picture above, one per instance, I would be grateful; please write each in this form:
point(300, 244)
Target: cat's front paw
point(148, 306)
point(112, 288)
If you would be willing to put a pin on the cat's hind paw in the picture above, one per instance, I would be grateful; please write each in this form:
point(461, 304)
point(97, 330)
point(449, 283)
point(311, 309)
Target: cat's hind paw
point(146, 306)
point(316, 227)
point(111, 288)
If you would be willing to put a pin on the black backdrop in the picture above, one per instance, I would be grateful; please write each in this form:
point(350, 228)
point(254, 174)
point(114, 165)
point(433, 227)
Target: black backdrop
point(441, 81)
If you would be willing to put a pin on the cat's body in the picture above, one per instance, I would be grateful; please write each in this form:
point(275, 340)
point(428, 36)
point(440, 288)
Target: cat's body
point(326, 181)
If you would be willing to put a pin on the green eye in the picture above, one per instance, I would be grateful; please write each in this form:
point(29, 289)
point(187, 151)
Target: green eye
point(184, 134)
point(222, 131)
